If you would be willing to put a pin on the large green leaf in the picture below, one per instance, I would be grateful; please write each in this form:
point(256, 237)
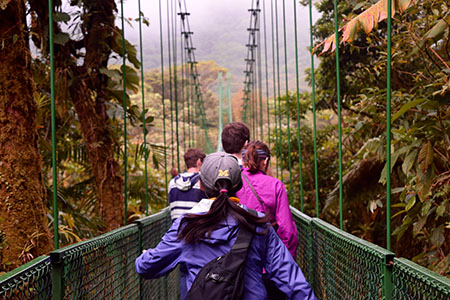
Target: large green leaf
point(406, 107)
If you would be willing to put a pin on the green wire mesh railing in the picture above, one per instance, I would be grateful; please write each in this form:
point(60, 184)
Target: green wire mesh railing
point(346, 267)
point(101, 268)
point(30, 281)
point(337, 265)
point(411, 282)
point(152, 228)
point(304, 249)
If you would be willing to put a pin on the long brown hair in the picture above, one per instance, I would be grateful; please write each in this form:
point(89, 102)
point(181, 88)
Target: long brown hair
point(255, 154)
point(195, 226)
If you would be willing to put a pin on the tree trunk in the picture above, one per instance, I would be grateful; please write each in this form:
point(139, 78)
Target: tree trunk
point(87, 92)
point(23, 224)
point(91, 110)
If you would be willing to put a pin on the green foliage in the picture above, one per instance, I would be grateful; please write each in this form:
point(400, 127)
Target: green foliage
point(420, 162)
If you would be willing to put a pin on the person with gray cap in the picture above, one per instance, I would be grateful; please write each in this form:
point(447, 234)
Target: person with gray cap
point(209, 231)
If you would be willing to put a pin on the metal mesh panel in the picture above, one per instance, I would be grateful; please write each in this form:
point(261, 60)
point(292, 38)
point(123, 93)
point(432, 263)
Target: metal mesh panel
point(167, 287)
point(346, 267)
point(413, 282)
point(101, 268)
point(31, 281)
point(304, 255)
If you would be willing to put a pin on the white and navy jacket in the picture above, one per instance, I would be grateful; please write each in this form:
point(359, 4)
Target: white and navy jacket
point(184, 193)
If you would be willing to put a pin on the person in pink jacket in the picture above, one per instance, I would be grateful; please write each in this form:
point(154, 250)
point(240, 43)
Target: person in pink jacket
point(267, 194)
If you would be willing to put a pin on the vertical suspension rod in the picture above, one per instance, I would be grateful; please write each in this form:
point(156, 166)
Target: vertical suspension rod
point(298, 109)
point(277, 132)
point(124, 81)
point(175, 81)
point(278, 89)
point(287, 102)
point(143, 109)
point(163, 95)
point(266, 73)
point(313, 87)
point(338, 99)
point(53, 122)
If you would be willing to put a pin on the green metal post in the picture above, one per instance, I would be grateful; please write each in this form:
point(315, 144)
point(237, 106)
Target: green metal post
point(53, 121)
point(219, 140)
point(124, 75)
point(298, 109)
point(143, 107)
point(313, 87)
point(57, 276)
point(387, 280)
point(230, 113)
point(388, 128)
point(338, 99)
point(163, 95)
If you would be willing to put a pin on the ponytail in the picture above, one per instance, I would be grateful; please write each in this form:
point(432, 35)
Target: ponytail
point(254, 156)
point(194, 226)
point(251, 158)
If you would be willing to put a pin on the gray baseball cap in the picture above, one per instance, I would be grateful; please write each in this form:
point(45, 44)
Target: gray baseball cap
point(220, 165)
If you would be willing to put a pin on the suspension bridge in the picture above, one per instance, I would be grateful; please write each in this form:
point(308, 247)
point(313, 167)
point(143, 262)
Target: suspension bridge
point(337, 264)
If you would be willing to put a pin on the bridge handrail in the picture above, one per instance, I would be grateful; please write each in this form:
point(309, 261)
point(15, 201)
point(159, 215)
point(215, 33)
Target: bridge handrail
point(337, 264)
point(412, 281)
point(30, 281)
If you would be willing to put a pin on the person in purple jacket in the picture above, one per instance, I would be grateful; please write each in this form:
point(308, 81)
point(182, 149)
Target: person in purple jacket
point(267, 194)
point(210, 230)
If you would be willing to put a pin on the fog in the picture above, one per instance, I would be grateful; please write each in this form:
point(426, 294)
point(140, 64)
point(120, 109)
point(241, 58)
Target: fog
point(220, 33)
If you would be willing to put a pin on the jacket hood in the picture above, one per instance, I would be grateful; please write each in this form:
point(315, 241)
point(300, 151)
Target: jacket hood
point(185, 181)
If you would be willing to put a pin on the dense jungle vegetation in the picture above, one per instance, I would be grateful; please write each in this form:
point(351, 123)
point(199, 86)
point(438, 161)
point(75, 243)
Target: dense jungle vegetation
point(90, 126)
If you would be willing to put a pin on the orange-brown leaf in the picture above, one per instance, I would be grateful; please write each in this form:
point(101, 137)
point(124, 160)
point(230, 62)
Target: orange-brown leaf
point(366, 21)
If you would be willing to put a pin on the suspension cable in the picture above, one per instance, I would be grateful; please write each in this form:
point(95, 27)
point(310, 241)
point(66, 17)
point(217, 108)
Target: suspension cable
point(313, 86)
point(124, 75)
point(338, 99)
point(182, 87)
point(277, 135)
point(260, 77)
point(278, 88)
point(53, 125)
point(163, 95)
point(175, 81)
point(298, 110)
point(143, 109)
point(169, 51)
point(266, 72)
point(287, 102)
point(388, 127)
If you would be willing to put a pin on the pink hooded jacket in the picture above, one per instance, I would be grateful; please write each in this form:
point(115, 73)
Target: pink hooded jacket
point(272, 192)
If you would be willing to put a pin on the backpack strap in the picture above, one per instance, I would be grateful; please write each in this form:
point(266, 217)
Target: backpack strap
point(254, 192)
point(244, 238)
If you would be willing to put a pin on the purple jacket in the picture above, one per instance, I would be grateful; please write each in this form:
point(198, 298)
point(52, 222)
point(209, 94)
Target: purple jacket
point(273, 194)
point(266, 251)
